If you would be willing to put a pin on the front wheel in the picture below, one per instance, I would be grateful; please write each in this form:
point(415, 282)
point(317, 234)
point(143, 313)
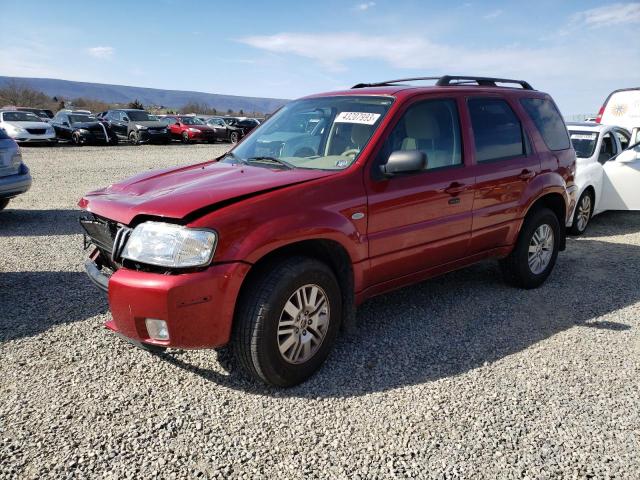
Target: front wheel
point(583, 213)
point(234, 137)
point(76, 139)
point(536, 250)
point(134, 139)
point(288, 320)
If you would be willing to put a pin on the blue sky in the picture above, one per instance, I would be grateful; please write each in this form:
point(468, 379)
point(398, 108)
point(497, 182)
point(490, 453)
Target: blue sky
point(578, 51)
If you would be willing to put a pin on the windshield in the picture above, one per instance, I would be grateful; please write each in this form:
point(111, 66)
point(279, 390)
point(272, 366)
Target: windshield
point(82, 118)
point(191, 121)
point(584, 143)
point(139, 116)
point(319, 133)
point(20, 117)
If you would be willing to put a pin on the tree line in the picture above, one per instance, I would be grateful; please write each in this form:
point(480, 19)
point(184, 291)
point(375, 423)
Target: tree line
point(15, 93)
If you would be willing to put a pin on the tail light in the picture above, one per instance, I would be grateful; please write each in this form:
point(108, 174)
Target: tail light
point(600, 113)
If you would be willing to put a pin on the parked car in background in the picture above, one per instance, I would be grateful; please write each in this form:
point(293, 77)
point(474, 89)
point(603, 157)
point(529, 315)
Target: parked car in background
point(189, 129)
point(43, 113)
point(26, 127)
point(621, 108)
point(224, 131)
point(606, 179)
point(136, 126)
point(14, 174)
point(81, 129)
point(273, 251)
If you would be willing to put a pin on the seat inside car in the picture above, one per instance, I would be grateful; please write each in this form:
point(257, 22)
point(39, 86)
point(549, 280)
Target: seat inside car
point(423, 133)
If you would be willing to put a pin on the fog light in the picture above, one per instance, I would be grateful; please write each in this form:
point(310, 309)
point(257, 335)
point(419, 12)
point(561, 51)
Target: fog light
point(157, 329)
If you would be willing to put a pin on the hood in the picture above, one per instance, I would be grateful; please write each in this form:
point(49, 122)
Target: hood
point(149, 123)
point(175, 193)
point(87, 125)
point(29, 124)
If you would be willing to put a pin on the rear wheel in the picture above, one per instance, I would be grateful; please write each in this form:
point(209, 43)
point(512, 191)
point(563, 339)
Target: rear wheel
point(583, 213)
point(4, 202)
point(185, 137)
point(536, 250)
point(288, 320)
point(234, 137)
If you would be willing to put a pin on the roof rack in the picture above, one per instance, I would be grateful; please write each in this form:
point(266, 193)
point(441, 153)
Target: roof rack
point(451, 80)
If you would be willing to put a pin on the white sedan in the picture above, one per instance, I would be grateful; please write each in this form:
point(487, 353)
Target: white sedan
point(25, 127)
point(607, 173)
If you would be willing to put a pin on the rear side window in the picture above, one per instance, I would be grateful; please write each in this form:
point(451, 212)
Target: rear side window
point(547, 119)
point(497, 131)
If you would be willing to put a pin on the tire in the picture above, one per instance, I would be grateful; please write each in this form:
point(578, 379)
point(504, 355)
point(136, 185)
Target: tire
point(582, 213)
point(4, 202)
point(133, 138)
point(185, 137)
point(155, 349)
point(76, 139)
point(518, 268)
point(234, 137)
point(256, 343)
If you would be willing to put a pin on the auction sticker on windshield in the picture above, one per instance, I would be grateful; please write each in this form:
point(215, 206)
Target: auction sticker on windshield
point(365, 118)
point(583, 136)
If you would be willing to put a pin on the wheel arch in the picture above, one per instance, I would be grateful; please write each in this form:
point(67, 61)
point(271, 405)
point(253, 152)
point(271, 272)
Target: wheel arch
point(555, 202)
point(330, 252)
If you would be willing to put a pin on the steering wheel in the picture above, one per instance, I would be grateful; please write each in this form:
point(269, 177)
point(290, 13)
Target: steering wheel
point(350, 151)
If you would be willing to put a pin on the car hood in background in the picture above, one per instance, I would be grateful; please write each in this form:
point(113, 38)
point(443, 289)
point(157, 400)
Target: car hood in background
point(175, 193)
point(150, 124)
point(29, 124)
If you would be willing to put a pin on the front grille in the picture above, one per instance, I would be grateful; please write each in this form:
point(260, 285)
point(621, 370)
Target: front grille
point(36, 131)
point(101, 233)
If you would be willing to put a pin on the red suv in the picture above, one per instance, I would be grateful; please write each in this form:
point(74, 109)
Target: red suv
point(189, 129)
point(336, 198)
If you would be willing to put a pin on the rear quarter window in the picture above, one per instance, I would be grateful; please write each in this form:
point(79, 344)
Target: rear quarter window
point(548, 121)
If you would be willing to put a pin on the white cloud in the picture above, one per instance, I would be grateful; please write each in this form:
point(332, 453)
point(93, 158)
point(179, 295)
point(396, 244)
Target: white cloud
point(492, 15)
point(608, 15)
point(101, 52)
point(361, 7)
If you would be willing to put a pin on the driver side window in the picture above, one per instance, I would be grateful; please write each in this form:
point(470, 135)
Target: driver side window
point(433, 127)
point(608, 148)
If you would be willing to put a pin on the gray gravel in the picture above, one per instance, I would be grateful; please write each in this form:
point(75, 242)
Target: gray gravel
point(458, 377)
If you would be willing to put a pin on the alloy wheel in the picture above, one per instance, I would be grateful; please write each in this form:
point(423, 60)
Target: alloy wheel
point(540, 249)
point(303, 324)
point(584, 213)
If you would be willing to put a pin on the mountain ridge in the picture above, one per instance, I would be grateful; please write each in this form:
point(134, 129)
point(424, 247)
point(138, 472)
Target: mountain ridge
point(112, 93)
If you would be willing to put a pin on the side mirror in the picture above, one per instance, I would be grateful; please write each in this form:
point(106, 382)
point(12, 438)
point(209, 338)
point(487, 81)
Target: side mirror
point(404, 161)
point(125, 119)
point(66, 124)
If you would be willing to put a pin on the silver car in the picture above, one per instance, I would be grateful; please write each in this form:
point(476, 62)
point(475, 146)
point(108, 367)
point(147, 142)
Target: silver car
point(14, 174)
point(26, 127)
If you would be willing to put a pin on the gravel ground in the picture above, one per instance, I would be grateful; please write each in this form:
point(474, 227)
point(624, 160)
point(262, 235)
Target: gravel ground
point(458, 377)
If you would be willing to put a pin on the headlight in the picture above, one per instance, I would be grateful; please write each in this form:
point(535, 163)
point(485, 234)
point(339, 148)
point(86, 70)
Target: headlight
point(141, 127)
point(194, 130)
point(168, 245)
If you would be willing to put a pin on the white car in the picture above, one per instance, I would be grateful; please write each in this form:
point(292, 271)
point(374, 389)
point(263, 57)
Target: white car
point(607, 172)
point(25, 127)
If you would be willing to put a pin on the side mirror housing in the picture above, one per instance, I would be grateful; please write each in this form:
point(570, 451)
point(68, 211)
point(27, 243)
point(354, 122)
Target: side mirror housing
point(404, 161)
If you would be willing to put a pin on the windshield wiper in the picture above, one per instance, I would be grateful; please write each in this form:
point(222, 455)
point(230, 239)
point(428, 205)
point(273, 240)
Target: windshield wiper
point(270, 160)
point(235, 157)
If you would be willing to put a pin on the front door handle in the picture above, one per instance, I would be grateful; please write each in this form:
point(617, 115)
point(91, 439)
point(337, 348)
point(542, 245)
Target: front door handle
point(455, 188)
point(526, 174)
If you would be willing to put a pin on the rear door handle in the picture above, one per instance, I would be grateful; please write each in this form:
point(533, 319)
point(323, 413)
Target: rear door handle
point(526, 174)
point(455, 188)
